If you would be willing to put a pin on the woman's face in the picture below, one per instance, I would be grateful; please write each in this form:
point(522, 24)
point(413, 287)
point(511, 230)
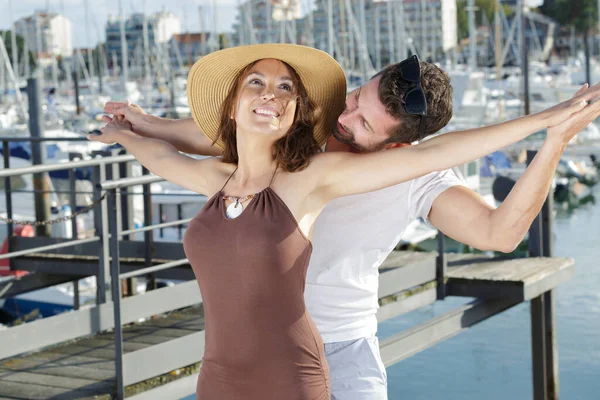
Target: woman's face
point(266, 101)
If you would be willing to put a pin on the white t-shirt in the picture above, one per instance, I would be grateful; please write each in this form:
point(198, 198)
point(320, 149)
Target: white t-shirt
point(352, 237)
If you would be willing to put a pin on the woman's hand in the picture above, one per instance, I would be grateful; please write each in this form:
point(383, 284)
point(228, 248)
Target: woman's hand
point(132, 112)
point(117, 127)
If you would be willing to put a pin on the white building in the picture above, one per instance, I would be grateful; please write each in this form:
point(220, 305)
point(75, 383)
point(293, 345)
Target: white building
point(47, 34)
point(166, 24)
point(432, 26)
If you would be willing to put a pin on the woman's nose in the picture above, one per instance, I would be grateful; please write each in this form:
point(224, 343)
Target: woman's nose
point(267, 94)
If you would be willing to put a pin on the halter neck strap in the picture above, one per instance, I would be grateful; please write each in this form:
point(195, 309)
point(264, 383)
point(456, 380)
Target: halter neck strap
point(235, 170)
point(227, 181)
point(273, 177)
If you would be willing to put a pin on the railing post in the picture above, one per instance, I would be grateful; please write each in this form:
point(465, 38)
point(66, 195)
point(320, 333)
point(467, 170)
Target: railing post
point(179, 217)
point(160, 218)
point(544, 349)
point(148, 235)
point(73, 192)
point(74, 233)
point(126, 207)
point(113, 198)
point(7, 191)
point(101, 228)
point(126, 198)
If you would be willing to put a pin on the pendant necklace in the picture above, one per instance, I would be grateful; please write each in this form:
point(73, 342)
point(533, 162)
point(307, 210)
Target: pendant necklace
point(236, 207)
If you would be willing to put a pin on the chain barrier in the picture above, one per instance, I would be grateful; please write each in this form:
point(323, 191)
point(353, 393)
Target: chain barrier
point(57, 220)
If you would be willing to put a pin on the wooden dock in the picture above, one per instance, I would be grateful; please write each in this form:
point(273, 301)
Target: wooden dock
point(85, 368)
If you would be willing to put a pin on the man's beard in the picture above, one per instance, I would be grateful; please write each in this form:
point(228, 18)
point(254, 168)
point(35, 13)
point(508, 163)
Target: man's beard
point(349, 140)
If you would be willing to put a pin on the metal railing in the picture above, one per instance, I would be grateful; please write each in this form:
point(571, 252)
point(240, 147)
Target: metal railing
point(136, 366)
point(108, 226)
point(109, 231)
point(113, 198)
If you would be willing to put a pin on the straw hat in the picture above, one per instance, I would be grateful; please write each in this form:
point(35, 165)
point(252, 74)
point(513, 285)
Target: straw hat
point(212, 77)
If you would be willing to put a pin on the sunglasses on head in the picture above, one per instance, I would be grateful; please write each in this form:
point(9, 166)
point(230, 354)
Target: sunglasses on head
point(415, 102)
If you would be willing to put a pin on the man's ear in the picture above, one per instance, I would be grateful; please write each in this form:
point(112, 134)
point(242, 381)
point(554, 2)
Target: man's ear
point(395, 145)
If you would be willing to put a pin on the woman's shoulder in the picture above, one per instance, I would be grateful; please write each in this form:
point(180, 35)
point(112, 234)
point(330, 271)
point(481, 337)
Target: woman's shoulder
point(328, 157)
point(219, 171)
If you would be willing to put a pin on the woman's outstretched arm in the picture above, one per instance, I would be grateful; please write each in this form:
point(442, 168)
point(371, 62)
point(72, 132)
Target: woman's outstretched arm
point(160, 157)
point(344, 174)
point(184, 134)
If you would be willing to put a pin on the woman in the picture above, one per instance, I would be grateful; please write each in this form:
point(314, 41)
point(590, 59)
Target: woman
point(270, 107)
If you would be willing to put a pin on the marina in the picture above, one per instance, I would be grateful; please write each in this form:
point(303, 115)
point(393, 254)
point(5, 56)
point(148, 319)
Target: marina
point(67, 331)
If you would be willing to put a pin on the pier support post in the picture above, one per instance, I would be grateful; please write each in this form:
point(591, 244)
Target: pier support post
point(36, 130)
point(544, 348)
point(441, 266)
point(7, 192)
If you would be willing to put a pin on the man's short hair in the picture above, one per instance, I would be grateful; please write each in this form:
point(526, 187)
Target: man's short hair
point(438, 91)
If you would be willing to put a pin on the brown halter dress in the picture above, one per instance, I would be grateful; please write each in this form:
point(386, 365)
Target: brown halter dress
point(260, 344)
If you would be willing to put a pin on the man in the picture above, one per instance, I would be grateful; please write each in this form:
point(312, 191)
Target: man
point(354, 234)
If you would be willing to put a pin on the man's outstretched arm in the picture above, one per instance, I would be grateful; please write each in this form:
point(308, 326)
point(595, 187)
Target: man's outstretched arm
point(464, 216)
point(184, 134)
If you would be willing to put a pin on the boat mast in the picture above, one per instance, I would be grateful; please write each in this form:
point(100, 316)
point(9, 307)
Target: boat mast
point(330, 27)
point(146, 44)
point(90, 55)
point(472, 36)
point(124, 58)
point(12, 78)
point(498, 46)
point(13, 42)
point(377, 37)
point(390, 32)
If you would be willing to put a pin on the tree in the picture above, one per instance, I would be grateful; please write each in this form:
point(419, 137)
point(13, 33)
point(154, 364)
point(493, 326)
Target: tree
point(581, 14)
point(485, 6)
point(20, 46)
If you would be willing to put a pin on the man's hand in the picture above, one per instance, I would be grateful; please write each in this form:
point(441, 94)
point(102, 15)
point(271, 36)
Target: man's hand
point(131, 112)
point(566, 130)
point(581, 101)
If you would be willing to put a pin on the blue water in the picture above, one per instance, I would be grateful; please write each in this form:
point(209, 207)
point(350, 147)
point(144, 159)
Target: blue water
point(492, 360)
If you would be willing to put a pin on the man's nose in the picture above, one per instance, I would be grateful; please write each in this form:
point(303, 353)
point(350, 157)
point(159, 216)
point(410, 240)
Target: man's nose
point(346, 116)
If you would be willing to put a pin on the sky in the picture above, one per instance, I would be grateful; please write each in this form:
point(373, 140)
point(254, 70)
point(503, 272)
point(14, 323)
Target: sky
point(186, 10)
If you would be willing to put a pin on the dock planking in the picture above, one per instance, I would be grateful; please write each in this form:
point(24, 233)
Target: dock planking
point(84, 368)
point(519, 279)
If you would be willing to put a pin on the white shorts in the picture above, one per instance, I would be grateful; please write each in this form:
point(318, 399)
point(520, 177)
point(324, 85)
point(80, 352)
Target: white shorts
point(356, 370)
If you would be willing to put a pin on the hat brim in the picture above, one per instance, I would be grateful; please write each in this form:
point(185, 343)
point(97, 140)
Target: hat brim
point(212, 77)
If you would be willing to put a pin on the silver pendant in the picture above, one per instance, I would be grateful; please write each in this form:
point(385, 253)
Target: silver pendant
point(234, 210)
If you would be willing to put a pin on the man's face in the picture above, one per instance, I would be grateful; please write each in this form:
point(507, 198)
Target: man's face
point(364, 124)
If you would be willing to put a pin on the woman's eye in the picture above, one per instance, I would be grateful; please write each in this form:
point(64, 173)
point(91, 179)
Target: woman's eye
point(255, 82)
point(286, 87)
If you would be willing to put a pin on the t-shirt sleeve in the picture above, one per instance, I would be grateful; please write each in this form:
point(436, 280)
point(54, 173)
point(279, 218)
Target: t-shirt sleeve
point(425, 190)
